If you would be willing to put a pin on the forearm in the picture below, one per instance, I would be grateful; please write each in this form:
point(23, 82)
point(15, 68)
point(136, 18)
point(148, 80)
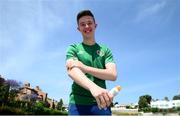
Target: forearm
point(104, 74)
point(80, 78)
point(102, 96)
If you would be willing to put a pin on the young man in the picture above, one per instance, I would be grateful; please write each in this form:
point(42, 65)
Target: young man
point(89, 64)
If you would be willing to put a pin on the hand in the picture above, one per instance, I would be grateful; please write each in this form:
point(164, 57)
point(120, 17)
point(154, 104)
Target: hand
point(102, 96)
point(75, 63)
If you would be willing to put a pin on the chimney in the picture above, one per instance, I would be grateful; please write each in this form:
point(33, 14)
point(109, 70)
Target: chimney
point(37, 88)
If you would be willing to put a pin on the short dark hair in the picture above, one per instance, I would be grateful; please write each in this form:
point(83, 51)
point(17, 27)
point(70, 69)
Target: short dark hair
point(84, 13)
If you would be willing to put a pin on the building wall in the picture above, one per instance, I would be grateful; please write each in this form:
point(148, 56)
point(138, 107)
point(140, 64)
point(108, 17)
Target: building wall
point(162, 104)
point(27, 90)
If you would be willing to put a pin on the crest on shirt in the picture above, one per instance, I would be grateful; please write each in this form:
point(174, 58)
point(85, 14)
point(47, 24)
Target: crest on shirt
point(100, 53)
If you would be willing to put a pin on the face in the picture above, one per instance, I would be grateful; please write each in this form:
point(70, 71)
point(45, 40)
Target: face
point(87, 26)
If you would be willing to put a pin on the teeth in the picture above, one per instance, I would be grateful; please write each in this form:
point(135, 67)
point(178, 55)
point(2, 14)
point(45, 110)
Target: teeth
point(87, 31)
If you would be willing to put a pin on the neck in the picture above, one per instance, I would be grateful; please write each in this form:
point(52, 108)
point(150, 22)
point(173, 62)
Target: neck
point(89, 41)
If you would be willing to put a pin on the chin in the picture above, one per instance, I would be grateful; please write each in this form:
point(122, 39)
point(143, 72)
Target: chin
point(87, 35)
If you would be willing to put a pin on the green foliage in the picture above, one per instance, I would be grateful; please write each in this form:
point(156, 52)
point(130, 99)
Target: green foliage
point(38, 108)
point(10, 106)
point(176, 97)
point(146, 109)
point(128, 107)
point(8, 91)
point(144, 102)
point(113, 104)
point(2, 81)
point(13, 84)
point(26, 107)
point(148, 98)
point(166, 98)
point(10, 110)
point(178, 109)
point(4, 94)
point(12, 94)
point(60, 105)
point(154, 110)
point(45, 104)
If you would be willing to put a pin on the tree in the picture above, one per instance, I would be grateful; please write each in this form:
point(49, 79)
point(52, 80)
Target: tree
point(13, 88)
point(148, 98)
point(176, 97)
point(144, 102)
point(2, 81)
point(4, 91)
point(60, 104)
point(4, 94)
point(14, 85)
point(166, 98)
point(116, 103)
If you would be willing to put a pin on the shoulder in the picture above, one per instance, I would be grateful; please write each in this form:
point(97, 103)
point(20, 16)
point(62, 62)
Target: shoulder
point(103, 47)
point(74, 46)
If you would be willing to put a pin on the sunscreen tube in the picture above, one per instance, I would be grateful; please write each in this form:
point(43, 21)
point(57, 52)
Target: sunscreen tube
point(114, 91)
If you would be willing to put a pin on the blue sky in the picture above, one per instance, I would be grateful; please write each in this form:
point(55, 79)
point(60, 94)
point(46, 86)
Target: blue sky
point(143, 36)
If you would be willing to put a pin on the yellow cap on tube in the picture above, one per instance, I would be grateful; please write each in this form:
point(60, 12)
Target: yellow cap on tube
point(114, 91)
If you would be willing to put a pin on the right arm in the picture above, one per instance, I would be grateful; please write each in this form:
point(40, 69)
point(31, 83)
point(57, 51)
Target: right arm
point(103, 98)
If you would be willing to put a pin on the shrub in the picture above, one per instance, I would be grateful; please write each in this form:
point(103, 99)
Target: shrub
point(146, 109)
point(178, 109)
point(9, 110)
point(38, 108)
point(154, 110)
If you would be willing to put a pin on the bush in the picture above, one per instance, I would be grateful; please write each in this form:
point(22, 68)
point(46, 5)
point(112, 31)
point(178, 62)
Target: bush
point(146, 109)
point(178, 109)
point(28, 108)
point(38, 108)
point(154, 110)
point(9, 110)
point(49, 111)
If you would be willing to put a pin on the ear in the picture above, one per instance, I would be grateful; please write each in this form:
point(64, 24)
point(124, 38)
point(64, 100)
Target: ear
point(78, 29)
point(95, 25)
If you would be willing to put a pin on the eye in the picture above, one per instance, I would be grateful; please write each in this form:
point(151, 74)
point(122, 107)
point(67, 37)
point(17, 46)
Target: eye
point(89, 23)
point(82, 24)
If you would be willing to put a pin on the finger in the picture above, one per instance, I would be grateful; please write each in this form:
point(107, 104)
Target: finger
point(110, 96)
point(98, 102)
point(107, 99)
point(102, 102)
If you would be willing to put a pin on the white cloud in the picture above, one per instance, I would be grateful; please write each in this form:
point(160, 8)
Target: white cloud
point(150, 11)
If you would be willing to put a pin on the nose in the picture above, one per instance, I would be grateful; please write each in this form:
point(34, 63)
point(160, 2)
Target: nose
point(86, 25)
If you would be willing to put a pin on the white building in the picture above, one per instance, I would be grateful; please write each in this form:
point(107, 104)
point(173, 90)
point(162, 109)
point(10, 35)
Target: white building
point(122, 108)
point(163, 104)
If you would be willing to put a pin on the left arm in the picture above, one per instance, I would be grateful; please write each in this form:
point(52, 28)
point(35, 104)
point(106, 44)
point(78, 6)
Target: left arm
point(109, 73)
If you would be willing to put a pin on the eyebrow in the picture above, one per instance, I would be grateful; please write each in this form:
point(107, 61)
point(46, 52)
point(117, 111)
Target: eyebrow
point(85, 21)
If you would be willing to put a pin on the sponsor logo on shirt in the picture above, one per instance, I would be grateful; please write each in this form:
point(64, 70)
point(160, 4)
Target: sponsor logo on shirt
point(100, 53)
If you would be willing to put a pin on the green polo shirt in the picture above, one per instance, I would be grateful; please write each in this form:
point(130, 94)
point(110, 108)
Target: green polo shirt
point(91, 55)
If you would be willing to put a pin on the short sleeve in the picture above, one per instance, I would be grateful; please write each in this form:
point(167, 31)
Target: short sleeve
point(71, 52)
point(108, 56)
